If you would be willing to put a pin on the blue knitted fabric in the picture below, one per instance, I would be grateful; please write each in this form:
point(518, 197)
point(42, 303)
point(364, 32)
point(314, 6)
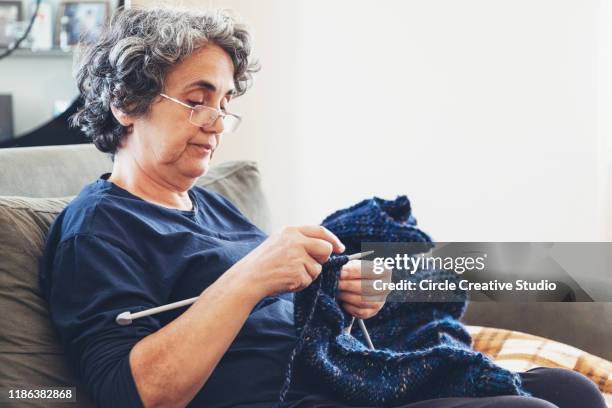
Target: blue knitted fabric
point(422, 350)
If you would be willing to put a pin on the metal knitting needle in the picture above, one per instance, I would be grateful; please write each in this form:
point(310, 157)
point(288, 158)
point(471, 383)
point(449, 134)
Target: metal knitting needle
point(364, 330)
point(359, 255)
point(362, 326)
point(126, 318)
point(360, 322)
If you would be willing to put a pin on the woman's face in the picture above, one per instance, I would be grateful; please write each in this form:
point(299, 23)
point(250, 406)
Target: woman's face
point(164, 143)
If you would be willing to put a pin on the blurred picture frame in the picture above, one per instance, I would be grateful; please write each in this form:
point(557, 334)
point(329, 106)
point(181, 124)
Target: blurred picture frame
point(11, 12)
point(6, 117)
point(80, 22)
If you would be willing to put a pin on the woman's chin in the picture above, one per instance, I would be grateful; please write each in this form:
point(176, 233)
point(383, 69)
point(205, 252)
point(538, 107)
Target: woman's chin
point(195, 165)
point(199, 168)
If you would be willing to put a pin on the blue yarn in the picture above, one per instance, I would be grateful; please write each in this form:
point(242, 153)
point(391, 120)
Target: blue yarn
point(422, 350)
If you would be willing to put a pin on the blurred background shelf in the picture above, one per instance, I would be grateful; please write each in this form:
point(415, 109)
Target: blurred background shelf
point(52, 53)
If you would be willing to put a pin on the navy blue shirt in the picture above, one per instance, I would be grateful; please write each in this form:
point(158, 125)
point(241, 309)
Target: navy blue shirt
point(110, 251)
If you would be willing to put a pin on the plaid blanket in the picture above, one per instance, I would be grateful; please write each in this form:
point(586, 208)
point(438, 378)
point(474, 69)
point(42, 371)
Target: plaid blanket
point(518, 352)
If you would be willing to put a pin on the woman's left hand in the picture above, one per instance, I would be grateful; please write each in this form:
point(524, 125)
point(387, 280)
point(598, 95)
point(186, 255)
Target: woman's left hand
point(356, 292)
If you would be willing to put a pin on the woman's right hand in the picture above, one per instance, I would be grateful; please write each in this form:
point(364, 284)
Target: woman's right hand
point(289, 260)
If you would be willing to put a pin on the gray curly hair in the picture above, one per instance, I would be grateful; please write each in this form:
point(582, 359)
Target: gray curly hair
point(126, 67)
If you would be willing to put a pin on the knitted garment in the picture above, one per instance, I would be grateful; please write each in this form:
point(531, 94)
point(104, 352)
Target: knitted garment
point(422, 350)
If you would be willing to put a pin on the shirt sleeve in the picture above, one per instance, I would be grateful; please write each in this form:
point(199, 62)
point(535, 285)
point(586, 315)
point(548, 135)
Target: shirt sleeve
point(93, 280)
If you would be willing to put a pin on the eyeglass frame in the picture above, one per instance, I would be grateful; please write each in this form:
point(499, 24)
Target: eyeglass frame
point(219, 112)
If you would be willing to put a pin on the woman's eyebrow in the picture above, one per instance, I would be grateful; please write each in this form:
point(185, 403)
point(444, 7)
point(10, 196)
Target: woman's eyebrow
point(201, 83)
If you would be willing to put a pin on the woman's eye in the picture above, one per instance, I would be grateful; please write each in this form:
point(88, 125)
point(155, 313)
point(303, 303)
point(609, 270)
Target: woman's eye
point(194, 103)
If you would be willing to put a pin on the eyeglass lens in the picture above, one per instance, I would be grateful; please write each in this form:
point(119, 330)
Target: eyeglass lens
point(201, 116)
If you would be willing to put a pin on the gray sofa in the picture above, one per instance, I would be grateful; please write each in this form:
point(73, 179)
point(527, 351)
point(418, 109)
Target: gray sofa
point(30, 354)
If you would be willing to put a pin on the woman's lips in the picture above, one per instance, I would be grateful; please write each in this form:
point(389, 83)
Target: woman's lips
point(202, 149)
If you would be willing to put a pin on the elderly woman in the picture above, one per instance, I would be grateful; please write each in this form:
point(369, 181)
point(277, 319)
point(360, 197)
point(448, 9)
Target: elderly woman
point(158, 87)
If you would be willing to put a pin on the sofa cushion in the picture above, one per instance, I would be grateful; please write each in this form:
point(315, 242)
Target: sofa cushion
point(50, 171)
point(28, 342)
point(520, 352)
point(240, 182)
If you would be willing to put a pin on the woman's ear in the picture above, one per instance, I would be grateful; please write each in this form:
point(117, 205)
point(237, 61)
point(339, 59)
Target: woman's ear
point(123, 118)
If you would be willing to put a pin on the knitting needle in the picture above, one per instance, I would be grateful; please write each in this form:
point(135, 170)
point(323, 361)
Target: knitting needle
point(126, 318)
point(360, 255)
point(364, 330)
point(365, 333)
point(360, 322)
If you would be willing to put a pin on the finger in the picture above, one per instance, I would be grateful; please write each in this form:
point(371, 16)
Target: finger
point(313, 268)
point(303, 282)
point(359, 313)
point(351, 270)
point(320, 232)
point(360, 287)
point(363, 302)
point(318, 249)
point(363, 269)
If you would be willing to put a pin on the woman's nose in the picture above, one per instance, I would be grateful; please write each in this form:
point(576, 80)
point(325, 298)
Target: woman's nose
point(216, 127)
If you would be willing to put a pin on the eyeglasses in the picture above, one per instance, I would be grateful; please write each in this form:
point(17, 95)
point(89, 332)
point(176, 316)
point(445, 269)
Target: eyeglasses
point(205, 116)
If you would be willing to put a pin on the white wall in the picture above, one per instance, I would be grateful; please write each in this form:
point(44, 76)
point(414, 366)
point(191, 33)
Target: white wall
point(483, 112)
point(604, 116)
point(491, 115)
